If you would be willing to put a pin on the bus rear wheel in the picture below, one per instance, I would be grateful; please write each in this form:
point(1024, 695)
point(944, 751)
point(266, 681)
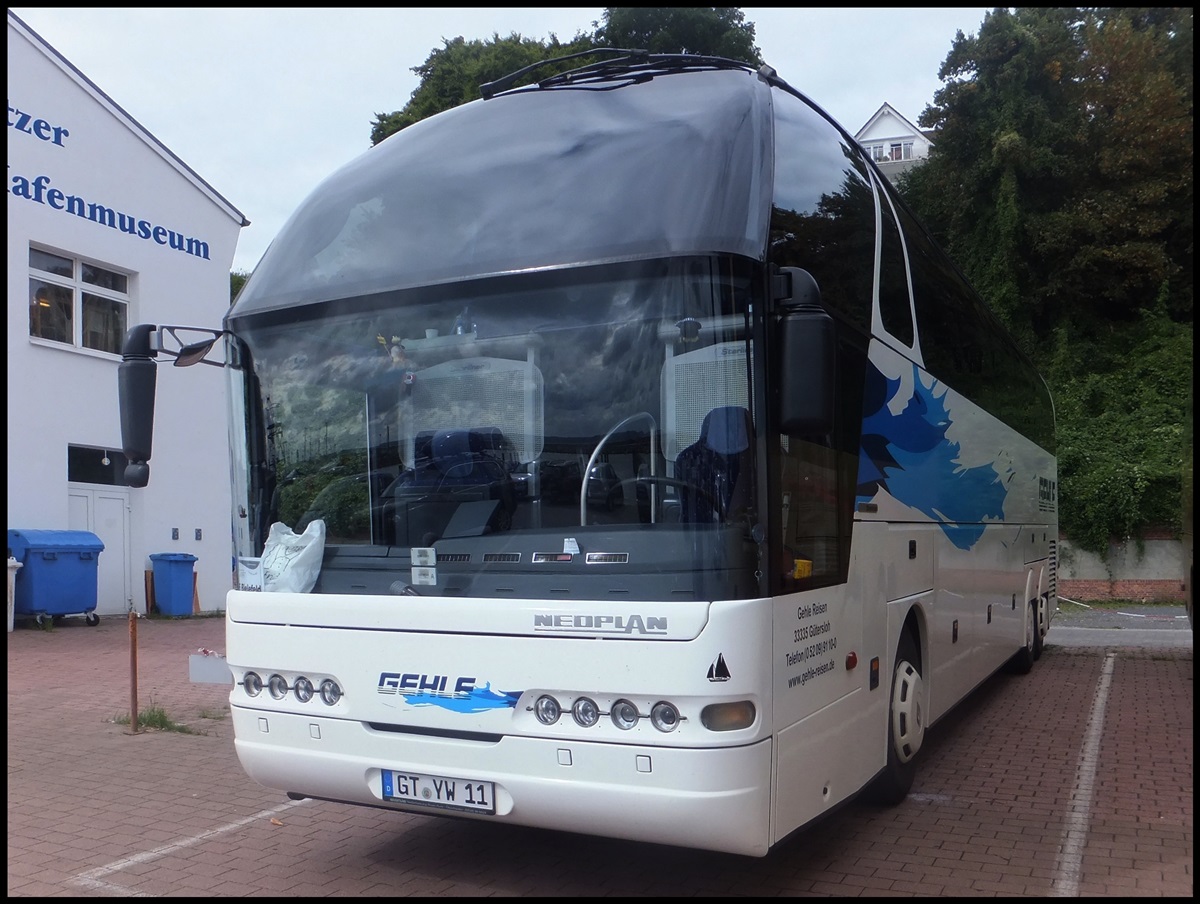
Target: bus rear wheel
point(906, 726)
point(1022, 661)
point(1039, 613)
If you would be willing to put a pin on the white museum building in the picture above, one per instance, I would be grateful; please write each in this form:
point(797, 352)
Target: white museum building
point(108, 228)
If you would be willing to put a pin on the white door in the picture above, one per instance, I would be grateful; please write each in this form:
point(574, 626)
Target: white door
point(105, 512)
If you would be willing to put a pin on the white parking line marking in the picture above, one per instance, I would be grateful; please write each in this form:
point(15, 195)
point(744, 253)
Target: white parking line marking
point(93, 877)
point(1075, 827)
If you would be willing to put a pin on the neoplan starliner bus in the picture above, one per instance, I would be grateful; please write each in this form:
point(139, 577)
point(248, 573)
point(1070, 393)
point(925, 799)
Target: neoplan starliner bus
point(834, 506)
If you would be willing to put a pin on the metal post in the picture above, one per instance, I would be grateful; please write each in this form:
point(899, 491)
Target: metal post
point(133, 701)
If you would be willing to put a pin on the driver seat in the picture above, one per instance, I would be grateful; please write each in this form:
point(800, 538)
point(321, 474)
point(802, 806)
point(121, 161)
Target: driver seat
point(718, 469)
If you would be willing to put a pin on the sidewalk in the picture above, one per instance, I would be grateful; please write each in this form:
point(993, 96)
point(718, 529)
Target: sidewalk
point(1078, 775)
point(99, 685)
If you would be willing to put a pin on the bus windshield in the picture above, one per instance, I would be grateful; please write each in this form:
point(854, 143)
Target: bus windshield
point(539, 433)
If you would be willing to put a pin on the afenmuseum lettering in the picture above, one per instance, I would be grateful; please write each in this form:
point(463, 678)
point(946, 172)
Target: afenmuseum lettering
point(39, 190)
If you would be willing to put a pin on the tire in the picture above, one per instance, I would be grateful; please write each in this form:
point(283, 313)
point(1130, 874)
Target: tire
point(92, 619)
point(1038, 640)
point(1022, 661)
point(906, 726)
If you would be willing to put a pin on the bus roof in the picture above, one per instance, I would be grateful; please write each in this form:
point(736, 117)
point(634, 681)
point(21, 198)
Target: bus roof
point(675, 164)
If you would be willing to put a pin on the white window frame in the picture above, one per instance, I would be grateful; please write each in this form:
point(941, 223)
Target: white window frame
point(78, 287)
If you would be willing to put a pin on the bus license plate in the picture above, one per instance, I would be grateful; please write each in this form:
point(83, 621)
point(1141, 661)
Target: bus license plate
point(439, 791)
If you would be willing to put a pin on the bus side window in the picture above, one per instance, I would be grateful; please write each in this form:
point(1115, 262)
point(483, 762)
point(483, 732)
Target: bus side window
point(895, 308)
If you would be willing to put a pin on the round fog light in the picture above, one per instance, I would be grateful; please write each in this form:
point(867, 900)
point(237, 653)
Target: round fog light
point(303, 689)
point(664, 716)
point(546, 709)
point(252, 684)
point(278, 687)
point(624, 715)
point(586, 712)
point(330, 692)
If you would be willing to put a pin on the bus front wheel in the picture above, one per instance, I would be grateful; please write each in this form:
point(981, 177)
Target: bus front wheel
point(906, 726)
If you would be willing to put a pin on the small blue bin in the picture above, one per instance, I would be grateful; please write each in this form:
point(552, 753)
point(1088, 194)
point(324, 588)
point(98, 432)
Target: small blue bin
point(173, 582)
point(59, 573)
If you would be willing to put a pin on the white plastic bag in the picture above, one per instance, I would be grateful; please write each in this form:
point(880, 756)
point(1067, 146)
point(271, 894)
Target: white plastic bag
point(291, 562)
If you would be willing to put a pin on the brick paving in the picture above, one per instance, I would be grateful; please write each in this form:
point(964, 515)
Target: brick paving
point(1006, 803)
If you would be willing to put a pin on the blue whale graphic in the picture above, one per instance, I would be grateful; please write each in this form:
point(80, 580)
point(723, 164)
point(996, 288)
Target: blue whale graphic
point(478, 700)
point(908, 455)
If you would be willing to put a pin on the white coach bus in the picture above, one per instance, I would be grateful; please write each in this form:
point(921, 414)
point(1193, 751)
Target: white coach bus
point(668, 481)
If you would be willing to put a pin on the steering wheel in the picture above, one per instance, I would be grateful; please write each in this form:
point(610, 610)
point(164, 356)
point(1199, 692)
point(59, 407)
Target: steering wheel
point(583, 484)
point(661, 480)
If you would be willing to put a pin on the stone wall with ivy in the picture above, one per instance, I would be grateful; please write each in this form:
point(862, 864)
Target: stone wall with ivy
point(1153, 573)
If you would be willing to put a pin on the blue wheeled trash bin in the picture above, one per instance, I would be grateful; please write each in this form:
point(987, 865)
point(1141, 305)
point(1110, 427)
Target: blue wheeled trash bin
point(59, 573)
point(173, 582)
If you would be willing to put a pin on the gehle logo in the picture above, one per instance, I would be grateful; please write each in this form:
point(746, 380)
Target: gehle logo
point(408, 683)
point(1047, 494)
point(599, 624)
point(461, 695)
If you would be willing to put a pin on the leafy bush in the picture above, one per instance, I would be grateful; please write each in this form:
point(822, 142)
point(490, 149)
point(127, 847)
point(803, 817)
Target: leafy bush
point(1121, 404)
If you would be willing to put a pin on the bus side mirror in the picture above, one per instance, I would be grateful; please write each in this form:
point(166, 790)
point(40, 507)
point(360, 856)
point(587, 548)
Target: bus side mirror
point(807, 348)
point(195, 352)
point(136, 377)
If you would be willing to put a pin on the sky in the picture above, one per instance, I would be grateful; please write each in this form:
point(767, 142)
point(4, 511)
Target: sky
point(264, 103)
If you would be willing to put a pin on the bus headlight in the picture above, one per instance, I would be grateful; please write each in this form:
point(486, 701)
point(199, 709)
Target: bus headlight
point(252, 684)
point(624, 715)
point(586, 712)
point(278, 686)
point(664, 716)
point(546, 709)
point(303, 689)
point(728, 716)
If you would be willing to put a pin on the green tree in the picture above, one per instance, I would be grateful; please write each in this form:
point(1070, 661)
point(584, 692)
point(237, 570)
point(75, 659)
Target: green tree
point(1010, 141)
point(711, 30)
point(452, 74)
point(237, 279)
point(1061, 181)
point(1125, 232)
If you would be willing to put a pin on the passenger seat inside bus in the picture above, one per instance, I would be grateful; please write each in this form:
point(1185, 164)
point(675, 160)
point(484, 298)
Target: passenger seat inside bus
point(718, 469)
